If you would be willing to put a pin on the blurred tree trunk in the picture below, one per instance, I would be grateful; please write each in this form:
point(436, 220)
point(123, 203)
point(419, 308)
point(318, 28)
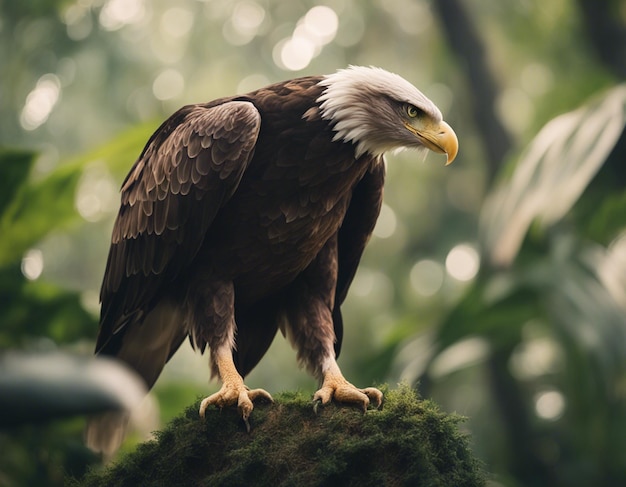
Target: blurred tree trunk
point(606, 28)
point(524, 462)
point(469, 50)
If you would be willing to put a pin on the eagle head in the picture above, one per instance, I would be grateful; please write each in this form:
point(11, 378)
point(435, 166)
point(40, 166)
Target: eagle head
point(379, 111)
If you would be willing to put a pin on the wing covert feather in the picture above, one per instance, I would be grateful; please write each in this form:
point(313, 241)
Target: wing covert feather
point(190, 167)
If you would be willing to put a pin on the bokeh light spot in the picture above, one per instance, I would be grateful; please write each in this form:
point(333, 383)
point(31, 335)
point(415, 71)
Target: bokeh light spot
point(247, 17)
point(313, 31)
point(115, 14)
point(78, 20)
point(40, 102)
point(322, 22)
point(244, 23)
point(296, 53)
point(168, 84)
point(549, 405)
point(32, 264)
point(463, 262)
point(535, 358)
point(427, 277)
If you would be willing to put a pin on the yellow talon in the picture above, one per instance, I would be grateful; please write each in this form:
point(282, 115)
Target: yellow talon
point(336, 387)
point(233, 392)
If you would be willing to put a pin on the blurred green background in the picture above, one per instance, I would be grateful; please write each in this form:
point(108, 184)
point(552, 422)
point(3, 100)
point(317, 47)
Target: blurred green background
point(497, 285)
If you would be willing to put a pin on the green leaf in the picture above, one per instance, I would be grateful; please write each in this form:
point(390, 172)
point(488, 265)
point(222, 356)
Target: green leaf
point(14, 168)
point(41, 206)
point(37, 209)
point(552, 174)
point(33, 309)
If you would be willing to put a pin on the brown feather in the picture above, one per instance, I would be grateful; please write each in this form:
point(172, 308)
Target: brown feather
point(177, 246)
point(241, 206)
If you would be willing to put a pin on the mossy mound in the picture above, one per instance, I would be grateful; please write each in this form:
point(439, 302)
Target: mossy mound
point(409, 442)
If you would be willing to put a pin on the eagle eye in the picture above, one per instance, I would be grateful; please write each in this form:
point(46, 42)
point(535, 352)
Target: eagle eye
point(412, 111)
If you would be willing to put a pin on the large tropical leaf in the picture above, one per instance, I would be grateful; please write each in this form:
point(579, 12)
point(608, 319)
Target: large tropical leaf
point(37, 207)
point(552, 174)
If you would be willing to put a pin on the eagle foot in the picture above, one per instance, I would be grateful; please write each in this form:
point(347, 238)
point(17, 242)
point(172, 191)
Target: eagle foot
point(339, 389)
point(236, 394)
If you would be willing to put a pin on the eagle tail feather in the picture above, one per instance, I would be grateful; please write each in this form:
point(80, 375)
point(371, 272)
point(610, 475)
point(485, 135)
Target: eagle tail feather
point(105, 433)
point(146, 347)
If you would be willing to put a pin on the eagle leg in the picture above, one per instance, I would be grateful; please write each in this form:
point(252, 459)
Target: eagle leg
point(233, 390)
point(335, 386)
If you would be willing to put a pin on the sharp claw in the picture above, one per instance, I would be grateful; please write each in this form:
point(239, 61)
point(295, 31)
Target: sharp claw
point(242, 397)
point(316, 404)
point(342, 391)
point(203, 405)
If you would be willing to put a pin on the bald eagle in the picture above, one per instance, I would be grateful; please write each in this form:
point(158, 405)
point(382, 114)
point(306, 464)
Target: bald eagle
point(249, 214)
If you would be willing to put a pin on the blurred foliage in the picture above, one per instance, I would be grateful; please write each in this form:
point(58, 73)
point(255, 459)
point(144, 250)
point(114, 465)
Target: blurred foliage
point(548, 307)
point(36, 315)
point(33, 455)
point(32, 309)
point(497, 283)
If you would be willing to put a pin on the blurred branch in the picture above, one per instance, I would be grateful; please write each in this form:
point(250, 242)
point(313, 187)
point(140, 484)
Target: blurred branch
point(469, 49)
point(39, 387)
point(607, 32)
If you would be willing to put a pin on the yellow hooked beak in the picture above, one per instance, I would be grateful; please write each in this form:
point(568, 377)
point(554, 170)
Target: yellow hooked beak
point(438, 138)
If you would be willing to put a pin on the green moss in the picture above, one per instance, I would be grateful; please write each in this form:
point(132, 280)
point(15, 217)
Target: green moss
point(409, 442)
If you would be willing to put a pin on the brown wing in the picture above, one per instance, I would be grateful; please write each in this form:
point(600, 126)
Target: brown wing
point(354, 234)
point(188, 170)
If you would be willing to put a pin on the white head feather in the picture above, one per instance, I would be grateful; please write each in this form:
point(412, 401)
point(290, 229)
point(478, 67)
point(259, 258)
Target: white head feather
point(359, 103)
